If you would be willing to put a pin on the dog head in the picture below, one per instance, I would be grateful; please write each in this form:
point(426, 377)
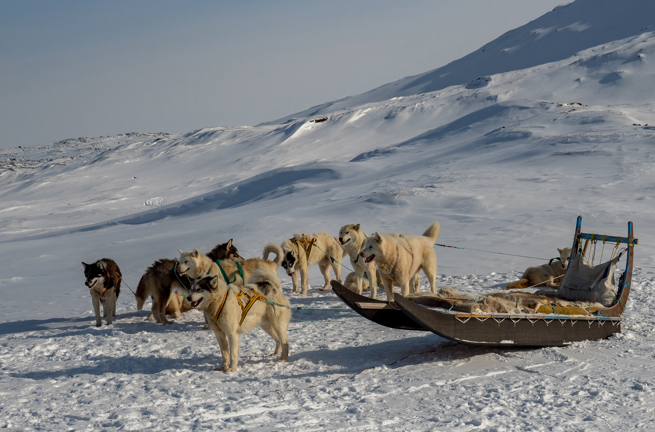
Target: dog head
point(202, 291)
point(225, 251)
point(564, 255)
point(290, 258)
point(372, 247)
point(348, 233)
point(189, 261)
point(95, 275)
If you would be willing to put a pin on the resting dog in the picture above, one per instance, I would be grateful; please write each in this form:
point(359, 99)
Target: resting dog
point(301, 252)
point(399, 257)
point(231, 310)
point(162, 283)
point(103, 278)
point(545, 274)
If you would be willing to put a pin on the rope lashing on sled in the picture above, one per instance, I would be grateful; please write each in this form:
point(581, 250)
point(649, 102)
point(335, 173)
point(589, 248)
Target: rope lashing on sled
point(492, 252)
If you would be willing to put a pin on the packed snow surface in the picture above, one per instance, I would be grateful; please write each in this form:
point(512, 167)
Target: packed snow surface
point(505, 158)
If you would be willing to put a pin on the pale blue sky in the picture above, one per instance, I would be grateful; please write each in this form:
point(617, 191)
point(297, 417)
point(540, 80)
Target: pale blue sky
point(73, 68)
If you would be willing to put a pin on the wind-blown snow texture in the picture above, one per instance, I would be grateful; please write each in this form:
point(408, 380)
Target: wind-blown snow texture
point(504, 147)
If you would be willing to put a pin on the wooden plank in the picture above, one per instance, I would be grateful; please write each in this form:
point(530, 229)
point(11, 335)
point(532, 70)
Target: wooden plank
point(608, 239)
point(373, 306)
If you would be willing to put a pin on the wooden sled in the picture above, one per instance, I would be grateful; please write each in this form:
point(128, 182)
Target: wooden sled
point(502, 329)
point(378, 311)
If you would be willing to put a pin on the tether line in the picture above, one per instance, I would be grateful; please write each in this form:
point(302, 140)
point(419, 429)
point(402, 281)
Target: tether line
point(491, 252)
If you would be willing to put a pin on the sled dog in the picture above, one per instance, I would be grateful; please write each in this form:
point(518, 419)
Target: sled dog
point(545, 274)
point(352, 239)
point(301, 252)
point(103, 278)
point(162, 283)
point(400, 256)
point(235, 270)
point(232, 310)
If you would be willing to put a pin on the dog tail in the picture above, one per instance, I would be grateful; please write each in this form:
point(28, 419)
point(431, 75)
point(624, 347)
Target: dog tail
point(277, 250)
point(142, 290)
point(433, 232)
point(267, 282)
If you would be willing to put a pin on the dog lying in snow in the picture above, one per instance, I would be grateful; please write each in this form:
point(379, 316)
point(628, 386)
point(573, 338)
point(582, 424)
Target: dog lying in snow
point(399, 257)
point(103, 278)
point(301, 252)
point(232, 310)
point(545, 274)
point(162, 283)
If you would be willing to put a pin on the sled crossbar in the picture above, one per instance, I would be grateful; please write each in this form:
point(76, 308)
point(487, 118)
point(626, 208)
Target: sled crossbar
point(607, 239)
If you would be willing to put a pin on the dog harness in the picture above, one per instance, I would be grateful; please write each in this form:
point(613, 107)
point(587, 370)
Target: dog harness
point(244, 309)
point(227, 281)
point(361, 248)
point(177, 275)
point(305, 243)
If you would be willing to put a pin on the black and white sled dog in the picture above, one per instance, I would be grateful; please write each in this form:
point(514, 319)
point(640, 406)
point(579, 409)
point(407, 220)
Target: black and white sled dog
point(162, 282)
point(232, 310)
point(103, 278)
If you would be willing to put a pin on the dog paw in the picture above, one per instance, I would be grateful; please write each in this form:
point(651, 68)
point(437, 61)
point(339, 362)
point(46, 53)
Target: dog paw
point(98, 324)
point(325, 288)
point(206, 327)
point(281, 360)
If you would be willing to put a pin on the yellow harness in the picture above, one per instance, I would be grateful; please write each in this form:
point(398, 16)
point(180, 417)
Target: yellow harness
point(304, 243)
point(244, 309)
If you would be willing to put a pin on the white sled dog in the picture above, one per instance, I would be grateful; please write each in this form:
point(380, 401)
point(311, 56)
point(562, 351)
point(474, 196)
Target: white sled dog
point(196, 265)
point(103, 278)
point(545, 274)
point(232, 310)
point(400, 256)
point(352, 238)
point(302, 252)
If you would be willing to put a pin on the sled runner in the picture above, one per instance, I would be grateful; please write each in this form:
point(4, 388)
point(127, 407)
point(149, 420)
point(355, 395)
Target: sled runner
point(561, 326)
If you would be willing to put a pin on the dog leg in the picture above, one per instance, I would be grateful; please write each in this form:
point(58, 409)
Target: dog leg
point(233, 342)
point(173, 305)
point(95, 299)
point(266, 326)
point(303, 280)
point(294, 280)
point(388, 288)
point(324, 265)
point(336, 268)
point(223, 345)
point(405, 288)
point(360, 283)
point(373, 283)
point(110, 306)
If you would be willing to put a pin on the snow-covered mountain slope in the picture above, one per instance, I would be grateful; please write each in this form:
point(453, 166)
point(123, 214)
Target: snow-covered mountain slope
point(505, 162)
point(555, 36)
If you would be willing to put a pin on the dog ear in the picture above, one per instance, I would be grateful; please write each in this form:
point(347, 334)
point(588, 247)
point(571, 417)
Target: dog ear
point(85, 265)
point(101, 264)
point(356, 227)
point(180, 251)
point(229, 243)
point(214, 281)
point(377, 236)
point(559, 250)
point(195, 253)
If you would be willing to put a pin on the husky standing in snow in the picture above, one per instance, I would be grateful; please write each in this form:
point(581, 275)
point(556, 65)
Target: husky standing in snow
point(301, 252)
point(103, 278)
point(232, 310)
point(162, 282)
point(399, 257)
point(352, 239)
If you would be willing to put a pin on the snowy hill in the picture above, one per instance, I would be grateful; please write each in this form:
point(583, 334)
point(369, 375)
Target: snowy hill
point(505, 147)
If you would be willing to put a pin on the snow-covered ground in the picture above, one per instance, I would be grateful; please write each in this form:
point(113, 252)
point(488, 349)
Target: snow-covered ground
point(504, 158)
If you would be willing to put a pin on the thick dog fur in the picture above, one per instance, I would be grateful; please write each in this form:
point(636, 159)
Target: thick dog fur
point(545, 274)
point(194, 263)
point(399, 257)
point(103, 278)
point(352, 239)
point(208, 294)
point(160, 282)
point(296, 260)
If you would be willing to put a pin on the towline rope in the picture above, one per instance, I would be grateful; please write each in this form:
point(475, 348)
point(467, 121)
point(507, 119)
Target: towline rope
point(491, 252)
